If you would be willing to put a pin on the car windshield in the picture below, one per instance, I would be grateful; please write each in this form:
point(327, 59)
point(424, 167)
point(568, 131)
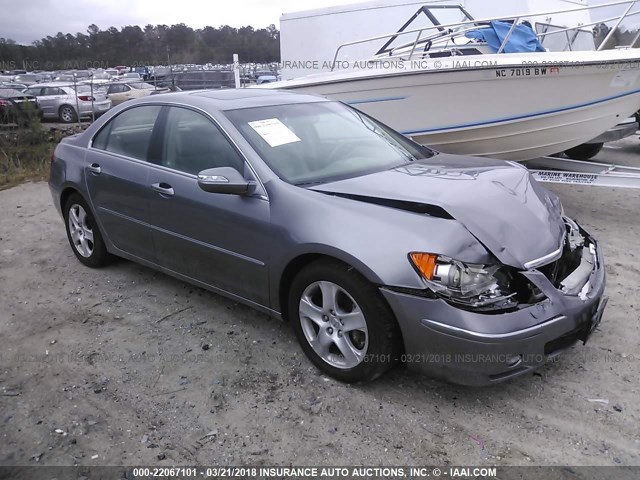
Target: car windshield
point(312, 143)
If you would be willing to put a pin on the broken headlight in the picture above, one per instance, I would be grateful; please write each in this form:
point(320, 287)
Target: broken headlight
point(465, 284)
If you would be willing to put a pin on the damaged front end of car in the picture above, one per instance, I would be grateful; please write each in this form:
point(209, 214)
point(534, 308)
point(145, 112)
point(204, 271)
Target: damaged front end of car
point(572, 271)
point(487, 323)
point(498, 288)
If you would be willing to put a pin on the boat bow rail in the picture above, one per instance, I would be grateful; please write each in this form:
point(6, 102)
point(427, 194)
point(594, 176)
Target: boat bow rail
point(444, 36)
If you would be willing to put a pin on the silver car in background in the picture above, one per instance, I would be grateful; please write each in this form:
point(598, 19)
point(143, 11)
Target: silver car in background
point(63, 101)
point(28, 78)
point(376, 249)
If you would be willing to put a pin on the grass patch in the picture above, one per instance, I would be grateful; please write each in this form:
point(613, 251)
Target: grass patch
point(25, 154)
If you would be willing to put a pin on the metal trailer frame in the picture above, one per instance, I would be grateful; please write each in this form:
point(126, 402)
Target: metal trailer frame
point(583, 172)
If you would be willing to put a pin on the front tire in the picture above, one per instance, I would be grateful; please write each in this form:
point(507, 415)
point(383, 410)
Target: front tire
point(342, 323)
point(83, 233)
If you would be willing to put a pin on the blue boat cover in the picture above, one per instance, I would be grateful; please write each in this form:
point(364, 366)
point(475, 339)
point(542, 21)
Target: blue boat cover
point(522, 39)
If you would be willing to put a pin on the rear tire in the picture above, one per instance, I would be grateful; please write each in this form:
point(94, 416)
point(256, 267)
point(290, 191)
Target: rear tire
point(585, 151)
point(342, 323)
point(67, 114)
point(83, 233)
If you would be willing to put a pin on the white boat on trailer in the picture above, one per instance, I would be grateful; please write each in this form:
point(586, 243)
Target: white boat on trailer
point(515, 106)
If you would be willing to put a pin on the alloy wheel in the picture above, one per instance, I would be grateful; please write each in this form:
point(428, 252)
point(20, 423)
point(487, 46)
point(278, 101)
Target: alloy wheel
point(333, 324)
point(67, 114)
point(81, 230)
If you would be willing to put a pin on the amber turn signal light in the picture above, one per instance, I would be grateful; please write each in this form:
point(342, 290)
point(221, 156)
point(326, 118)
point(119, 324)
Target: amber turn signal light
point(425, 263)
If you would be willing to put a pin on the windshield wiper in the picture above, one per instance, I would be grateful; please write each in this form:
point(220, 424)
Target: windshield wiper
point(306, 184)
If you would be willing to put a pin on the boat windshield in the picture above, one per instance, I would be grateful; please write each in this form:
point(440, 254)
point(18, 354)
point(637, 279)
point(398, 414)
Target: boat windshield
point(311, 143)
point(579, 39)
point(428, 17)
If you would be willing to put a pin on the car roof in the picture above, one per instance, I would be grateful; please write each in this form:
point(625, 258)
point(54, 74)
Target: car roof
point(50, 84)
point(126, 82)
point(233, 98)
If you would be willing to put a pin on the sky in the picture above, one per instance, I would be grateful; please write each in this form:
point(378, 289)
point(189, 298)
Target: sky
point(32, 20)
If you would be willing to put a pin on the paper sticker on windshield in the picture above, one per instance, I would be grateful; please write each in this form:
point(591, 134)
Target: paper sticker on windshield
point(274, 132)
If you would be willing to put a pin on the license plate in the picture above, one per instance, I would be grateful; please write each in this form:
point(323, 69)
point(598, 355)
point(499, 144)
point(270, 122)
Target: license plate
point(597, 318)
point(103, 107)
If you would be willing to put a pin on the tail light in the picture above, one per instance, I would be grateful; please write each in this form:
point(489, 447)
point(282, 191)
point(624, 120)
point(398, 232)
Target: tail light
point(86, 98)
point(4, 103)
point(53, 157)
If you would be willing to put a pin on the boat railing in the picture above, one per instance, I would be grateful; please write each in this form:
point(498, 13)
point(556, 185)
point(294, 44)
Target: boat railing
point(445, 32)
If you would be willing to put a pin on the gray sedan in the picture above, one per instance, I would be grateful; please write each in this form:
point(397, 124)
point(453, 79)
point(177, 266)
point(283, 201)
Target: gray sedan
point(375, 249)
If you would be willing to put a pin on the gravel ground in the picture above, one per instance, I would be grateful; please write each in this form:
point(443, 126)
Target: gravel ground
point(125, 366)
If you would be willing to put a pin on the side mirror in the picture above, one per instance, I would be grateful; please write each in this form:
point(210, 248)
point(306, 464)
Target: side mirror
point(225, 180)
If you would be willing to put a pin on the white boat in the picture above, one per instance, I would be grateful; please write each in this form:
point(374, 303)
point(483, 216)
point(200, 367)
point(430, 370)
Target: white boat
point(514, 106)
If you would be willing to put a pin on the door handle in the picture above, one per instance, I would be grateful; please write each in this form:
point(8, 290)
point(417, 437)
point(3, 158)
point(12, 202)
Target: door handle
point(94, 168)
point(163, 189)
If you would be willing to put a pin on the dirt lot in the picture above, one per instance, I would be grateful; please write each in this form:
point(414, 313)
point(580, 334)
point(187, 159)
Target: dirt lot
point(128, 366)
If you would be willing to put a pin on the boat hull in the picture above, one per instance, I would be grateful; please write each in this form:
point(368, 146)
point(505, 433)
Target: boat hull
point(516, 106)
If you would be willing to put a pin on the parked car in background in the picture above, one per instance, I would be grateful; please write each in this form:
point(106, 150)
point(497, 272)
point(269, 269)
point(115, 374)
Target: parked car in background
point(79, 74)
point(101, 77)
point(122, 91)
point(75, 76)
point(15, 86)
point(200, 79)
point(17, 107)
point(98, 78)
point(66, 78)
point(62, 101)
point(28, 78)
point(131, 76)
point(144, 72)
point(266, 79)
point(46, 76)
point(374, 248)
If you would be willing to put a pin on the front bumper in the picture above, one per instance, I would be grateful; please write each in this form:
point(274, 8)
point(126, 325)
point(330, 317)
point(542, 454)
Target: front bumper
point(480, 349)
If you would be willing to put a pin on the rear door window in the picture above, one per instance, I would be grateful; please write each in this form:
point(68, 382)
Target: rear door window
point(129, 133)
point(51, 91)
point(36, 92)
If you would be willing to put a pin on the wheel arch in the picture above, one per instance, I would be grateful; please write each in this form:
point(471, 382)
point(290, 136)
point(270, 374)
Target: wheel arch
point(66, 105)
point(298, 262)
point(67, 191)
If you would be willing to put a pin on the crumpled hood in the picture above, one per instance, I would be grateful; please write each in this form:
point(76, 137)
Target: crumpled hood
point(500, 204)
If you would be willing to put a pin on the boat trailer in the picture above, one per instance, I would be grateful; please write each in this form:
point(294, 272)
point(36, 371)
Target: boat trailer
point(583, 172)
